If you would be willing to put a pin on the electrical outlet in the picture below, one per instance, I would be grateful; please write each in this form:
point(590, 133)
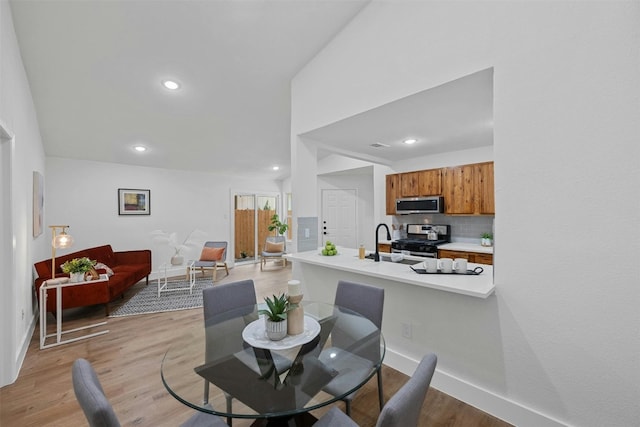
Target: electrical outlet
point(406, 330)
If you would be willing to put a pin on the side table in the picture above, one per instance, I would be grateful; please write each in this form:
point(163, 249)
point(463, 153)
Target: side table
point(169, 268)
point(59, 332)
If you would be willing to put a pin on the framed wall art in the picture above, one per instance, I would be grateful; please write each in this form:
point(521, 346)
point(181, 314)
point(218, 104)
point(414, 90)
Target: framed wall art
point(134, 202)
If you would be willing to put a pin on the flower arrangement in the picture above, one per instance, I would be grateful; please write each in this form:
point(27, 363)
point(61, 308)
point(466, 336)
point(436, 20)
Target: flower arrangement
point(171, 239)
point(78, 265)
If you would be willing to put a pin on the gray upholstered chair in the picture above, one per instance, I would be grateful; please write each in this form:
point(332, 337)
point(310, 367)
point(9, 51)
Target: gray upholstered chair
point(274, 249)
point(98, 410)
point(402, 410)
point(216, 300)
point(368, 301)
point(212, 263)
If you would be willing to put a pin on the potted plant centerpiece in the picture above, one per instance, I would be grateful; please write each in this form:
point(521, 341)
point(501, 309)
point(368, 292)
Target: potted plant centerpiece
point(77, 268)
point(275, 321)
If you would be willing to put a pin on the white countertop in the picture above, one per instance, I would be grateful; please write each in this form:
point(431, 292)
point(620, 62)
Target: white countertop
point(480, 286)
point(467, 247)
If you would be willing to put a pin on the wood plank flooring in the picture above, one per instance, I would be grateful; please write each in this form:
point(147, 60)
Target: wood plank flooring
point(128, 358)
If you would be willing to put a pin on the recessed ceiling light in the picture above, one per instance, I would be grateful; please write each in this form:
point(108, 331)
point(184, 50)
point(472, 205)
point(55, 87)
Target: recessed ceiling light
point(410, 141)
point(170, 84)
point(275, 168)
point(140, 148)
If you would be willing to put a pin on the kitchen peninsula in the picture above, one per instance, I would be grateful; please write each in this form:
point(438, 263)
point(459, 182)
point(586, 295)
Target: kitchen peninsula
point(480, 286)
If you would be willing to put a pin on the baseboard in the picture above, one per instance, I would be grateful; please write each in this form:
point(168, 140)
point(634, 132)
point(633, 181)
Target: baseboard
point(24, 346)
point(489, 402)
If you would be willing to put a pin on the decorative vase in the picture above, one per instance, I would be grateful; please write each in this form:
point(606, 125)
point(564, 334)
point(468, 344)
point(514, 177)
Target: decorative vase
point(295, 317)
point(486, 242)
point(177, 260)
point(275, 330)
point(77, 277)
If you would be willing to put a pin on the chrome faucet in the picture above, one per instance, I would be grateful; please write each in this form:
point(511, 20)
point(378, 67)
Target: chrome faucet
point(376, 257)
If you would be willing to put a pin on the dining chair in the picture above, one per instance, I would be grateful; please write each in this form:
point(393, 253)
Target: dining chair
point(368, 301)
point(98, 410)
point(212, 257)
point(274, 249)
point(402, 410)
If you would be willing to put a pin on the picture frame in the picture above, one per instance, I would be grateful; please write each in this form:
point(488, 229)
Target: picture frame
point(134, 201)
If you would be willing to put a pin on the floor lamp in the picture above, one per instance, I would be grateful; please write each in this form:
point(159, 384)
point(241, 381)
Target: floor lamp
point(62, 240)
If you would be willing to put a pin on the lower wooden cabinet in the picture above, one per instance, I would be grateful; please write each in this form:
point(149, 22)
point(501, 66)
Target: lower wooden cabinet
point(384, 247)
point(476, 257)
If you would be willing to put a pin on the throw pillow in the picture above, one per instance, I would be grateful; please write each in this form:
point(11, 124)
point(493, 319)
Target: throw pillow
point(101, 266)
point(274, 247)
point(211, 254)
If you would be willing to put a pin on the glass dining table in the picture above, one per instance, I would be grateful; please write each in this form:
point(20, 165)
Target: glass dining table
point(228, 367)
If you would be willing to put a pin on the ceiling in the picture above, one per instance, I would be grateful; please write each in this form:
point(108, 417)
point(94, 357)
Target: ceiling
point(95, 70)
point(454, 116)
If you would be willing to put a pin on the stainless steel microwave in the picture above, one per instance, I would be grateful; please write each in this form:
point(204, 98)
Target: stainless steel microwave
point(418, 205)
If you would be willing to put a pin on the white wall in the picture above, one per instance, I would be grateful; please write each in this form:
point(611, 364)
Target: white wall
point(559, 342)
point(83, 194)
point(23, 155)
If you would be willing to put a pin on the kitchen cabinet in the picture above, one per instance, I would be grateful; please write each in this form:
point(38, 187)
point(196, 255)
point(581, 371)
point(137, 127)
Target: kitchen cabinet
point(484, 193)
point(468, 189)
point(393, 192)
point(476, 257)
point(421, 183)
point(384, 247)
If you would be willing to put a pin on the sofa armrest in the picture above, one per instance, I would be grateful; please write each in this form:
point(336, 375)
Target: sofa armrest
point(142, 256)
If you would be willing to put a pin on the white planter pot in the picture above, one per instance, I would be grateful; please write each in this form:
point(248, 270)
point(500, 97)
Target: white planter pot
point(76, 277)
point(275, 330)
point(177, 260)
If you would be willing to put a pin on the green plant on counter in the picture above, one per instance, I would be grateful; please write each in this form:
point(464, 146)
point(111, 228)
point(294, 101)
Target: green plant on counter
point(278, 307)
point(78, 265)
point(487, 236)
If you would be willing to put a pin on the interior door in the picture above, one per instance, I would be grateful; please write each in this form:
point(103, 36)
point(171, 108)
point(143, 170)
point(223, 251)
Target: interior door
point(339, 220)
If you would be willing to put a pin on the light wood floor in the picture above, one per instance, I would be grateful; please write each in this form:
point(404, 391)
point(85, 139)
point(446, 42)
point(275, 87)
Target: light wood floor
point(127, 361)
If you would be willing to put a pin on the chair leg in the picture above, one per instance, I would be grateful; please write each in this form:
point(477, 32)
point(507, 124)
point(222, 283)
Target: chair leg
point(206, 392)
point(380, 394)
point(347, 409)
point(229, 419)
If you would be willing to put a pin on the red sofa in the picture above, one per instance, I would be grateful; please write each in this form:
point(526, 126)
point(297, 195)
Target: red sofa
point(129, 267)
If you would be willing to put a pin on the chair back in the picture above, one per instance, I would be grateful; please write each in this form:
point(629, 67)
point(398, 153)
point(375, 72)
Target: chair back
point(403, 409)
point(211, 244)
point(227, 297)
point(90, 395)
point(278, 239)
point(364, 299)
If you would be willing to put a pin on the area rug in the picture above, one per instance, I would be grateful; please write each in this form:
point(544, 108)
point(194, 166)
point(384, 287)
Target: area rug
point(146, 300)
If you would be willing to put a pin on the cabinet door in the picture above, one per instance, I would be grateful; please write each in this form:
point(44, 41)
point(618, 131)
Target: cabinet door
point(481, 258)
point(483, 176)
point(444, 253)
point(430, 182)
point(384, 247)
point(409, 184)
point(393, 182)
point(458, 190)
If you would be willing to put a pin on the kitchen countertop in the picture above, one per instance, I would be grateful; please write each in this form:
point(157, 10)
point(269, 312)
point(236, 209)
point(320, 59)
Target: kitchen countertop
point(467, 247)
point(480, 286)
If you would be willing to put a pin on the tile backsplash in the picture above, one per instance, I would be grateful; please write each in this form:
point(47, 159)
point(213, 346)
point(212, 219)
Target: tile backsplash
point(467, 229)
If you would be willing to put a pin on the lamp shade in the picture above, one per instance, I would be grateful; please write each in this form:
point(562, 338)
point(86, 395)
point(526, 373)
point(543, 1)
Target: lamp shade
point(62, 240)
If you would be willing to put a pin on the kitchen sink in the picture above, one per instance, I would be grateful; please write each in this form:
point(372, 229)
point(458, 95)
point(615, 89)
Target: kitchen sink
point(384, 257)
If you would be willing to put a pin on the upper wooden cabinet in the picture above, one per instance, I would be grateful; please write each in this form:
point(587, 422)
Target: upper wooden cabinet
point(393, 192)
point(483, 175)
point(421, 183)
point(468, 189)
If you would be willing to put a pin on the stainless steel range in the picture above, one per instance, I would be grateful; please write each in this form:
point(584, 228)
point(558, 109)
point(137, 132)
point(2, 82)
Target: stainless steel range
point(423, 239)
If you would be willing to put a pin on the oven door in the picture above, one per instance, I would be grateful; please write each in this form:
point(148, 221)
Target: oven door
point(422, 254)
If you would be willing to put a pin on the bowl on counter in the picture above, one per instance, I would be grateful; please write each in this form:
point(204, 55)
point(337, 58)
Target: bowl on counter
point(395, 257)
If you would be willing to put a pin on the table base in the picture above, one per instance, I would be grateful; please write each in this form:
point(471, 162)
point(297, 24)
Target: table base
point(300, 420)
